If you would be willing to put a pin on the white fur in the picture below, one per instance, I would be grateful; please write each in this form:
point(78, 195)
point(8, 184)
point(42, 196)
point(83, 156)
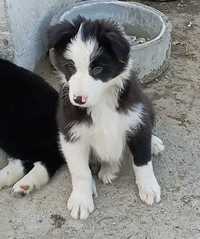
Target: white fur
point(157, 145)
point(11, 173)
point(36, 178)
point(149, 189)
point(80, 51)
point(80, 202)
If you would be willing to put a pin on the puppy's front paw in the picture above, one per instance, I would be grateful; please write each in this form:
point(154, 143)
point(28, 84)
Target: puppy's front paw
point(80, 204)
point(149, 191)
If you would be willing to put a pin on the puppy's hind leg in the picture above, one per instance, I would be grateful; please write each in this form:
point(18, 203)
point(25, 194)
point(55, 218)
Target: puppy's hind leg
point(108, 172)
point(12, 173)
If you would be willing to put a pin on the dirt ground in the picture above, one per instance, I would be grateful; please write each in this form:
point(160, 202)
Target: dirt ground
point(119, 212)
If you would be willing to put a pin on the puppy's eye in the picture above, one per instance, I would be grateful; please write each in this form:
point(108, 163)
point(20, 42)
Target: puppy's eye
point(96, 70)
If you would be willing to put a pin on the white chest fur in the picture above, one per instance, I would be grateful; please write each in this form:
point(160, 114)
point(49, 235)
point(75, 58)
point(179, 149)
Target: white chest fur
point(107, 134)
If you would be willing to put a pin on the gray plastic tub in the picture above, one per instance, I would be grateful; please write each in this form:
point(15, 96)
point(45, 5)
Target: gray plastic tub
point(151, 58)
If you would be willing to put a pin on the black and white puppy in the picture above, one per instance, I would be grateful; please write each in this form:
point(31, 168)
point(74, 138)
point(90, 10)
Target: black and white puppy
point(28, 129)
point(102, 109)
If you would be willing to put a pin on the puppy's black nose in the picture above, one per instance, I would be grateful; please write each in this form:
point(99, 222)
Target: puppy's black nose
point(81, 100)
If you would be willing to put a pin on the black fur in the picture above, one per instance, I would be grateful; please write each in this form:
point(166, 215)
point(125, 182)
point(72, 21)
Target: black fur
point(61, 34)
point(28, 125)
point(132, 94)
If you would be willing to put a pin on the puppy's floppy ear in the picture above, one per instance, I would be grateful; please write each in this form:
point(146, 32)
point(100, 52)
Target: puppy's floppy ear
point(60, 34)
point(117, 43)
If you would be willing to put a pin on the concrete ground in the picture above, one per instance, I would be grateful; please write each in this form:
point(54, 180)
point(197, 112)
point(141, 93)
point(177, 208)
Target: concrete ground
point(119, 212)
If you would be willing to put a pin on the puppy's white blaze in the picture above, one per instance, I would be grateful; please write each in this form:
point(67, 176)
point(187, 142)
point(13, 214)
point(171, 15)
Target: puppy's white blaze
point(11, 173)
point(37, 177)
point(149, 189)
point(81, 83)
point(80, 52)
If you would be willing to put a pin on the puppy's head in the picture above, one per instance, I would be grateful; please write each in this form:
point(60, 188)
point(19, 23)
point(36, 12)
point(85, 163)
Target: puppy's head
point(91, 56)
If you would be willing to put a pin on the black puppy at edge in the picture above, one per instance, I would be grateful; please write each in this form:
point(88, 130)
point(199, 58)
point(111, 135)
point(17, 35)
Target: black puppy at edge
point(102, 109)
point(28, 129)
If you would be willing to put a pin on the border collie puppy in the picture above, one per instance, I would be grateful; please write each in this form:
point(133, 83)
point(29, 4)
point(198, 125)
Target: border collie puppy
point(102, 110)
point(28, 129)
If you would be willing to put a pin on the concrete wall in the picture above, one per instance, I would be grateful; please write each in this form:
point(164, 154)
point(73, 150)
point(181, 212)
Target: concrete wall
point(28, 21)
point(6, 47)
